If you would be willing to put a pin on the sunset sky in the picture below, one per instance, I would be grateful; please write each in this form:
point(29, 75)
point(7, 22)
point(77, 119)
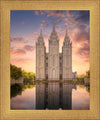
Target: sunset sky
point(25, 29)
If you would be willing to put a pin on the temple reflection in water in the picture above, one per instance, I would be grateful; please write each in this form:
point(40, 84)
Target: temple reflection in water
point(54, 95)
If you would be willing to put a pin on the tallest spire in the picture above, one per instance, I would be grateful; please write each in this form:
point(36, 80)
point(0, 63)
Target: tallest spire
point(53, 25)
point(66, 35)
point(40, 32)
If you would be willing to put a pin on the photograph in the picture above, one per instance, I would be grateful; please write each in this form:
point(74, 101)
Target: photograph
point(50, 60)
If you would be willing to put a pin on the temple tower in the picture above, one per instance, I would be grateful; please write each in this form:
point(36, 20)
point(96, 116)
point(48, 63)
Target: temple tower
point(40, 58)
point(53, 56)
point(67, 59)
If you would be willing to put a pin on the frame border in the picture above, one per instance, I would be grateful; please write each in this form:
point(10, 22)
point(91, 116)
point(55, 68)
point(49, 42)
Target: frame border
point(6, 6)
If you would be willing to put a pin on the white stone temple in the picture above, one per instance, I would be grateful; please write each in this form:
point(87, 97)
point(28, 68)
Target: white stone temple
point(54, 65)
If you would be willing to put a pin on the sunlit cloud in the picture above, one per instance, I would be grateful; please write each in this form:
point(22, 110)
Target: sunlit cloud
point(21, 49)
point(18, 52)
point(18, 40)
point(41, 12)
point(43, 25)
point(36, 13)
point(21, 60)
point(55, 13)
point(69, 14)
point(43, 21)
point(28, 48)
point(35, 33)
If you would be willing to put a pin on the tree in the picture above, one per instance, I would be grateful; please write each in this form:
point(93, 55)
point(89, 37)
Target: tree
point(29, 75)
point(81, 76)
point(15, 72)
point(88, 73)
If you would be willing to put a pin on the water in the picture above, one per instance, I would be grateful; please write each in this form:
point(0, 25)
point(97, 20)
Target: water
point(50, 96)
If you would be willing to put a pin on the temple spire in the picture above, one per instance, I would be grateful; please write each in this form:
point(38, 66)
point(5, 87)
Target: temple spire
point(53, 25)
point(41, 32)
point(66, 36)
point(40, 38)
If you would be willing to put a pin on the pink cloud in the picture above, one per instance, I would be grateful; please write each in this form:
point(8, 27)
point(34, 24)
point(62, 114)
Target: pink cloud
point(66, 19)
point(43, 21)
point(35, 33)
point(41, 12)
point(56, 14)
point(70, 21)
point(66, 24)
point(80, 33)
point(43, 24)
point(28, 48)
point(16, 47)
point(84, 52)
point(69, 14)
point(20, 61)
point(34, 36)
point(18, 40)
point(59, 20)
point(36, 13)
point(17, 52)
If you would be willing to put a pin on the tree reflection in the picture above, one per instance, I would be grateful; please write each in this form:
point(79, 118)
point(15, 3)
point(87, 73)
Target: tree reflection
point(16, 89)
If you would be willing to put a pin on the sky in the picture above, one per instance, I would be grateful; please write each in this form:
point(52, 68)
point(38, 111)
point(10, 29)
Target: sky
point(25, 26)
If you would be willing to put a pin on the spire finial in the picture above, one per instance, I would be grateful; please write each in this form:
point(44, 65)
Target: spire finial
point(66, 33)
point(66, 30)
point(53, 25)
point(66, 36)
point(41, 32)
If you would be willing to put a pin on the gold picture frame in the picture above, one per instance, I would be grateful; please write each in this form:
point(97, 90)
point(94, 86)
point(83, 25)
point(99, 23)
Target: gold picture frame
point(5, 112)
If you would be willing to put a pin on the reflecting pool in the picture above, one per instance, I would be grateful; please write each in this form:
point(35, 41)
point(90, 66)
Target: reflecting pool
point(47, 96)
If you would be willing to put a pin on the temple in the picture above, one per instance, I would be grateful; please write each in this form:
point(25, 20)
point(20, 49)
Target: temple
point(54, 65)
